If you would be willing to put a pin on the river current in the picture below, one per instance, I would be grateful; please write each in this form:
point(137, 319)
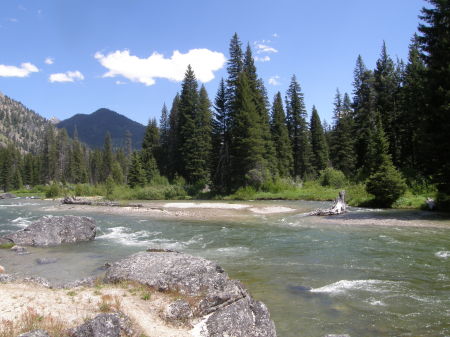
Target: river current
point(363, 275)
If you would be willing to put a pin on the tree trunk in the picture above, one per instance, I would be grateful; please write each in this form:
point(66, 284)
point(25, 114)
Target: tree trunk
point(339, 207)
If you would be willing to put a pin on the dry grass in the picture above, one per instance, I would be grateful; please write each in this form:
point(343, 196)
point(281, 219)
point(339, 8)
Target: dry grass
point(32, 320)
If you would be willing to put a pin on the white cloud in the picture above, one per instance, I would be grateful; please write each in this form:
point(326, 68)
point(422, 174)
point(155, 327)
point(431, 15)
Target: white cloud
point(275, 35)
point(263, 48)
point(274, 80)
point(13, 20)
point(49, 60)
point(68, 76)
point(24, 70)
point(262, 59)
point(145, 70)
point(120, 83)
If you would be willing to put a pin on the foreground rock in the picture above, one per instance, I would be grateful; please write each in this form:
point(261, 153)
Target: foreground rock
point(338, 207)
point(55, 230)
point(35, 333)
point(103, 325)
point(206, 289)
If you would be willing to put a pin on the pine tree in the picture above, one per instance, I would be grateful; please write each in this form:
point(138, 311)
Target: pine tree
point(248, 166)
point(220, 142)
point(318, 142)
point(164, 130)
point(175, 163)
point(386, 88)
point(136, 176)
point(150, 148)
point(234, 69)
point(342, 142)
point(364, 103)
point(202, 138)
point(411, 116)
point(49, 156)
point(280, 136)
point(435, 42)
point(298, 131)
point(107, 158)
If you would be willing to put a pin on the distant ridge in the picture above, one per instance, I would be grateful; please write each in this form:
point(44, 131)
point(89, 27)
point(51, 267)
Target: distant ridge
point(21, 126)
point(92, 128)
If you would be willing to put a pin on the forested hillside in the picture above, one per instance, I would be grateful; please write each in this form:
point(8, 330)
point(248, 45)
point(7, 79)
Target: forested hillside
point(20, 126)
point(93, 127)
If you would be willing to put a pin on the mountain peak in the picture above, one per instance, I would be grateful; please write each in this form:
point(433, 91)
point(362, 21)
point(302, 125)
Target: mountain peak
point(93, 127)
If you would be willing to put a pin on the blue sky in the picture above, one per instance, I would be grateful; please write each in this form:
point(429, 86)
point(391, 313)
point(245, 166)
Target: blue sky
point(62, 57)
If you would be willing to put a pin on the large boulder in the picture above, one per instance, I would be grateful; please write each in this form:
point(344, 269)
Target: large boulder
point(103, 325)
point(226, 306)
point(7, 196)
point(55, 230)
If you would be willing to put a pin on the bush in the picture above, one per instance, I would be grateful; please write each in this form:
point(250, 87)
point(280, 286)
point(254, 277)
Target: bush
point(332, 177)
point(53, 191)
point(244, 193)
point(387, 185)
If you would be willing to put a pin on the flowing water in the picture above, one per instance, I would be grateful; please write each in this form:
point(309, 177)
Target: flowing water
point(365, 274)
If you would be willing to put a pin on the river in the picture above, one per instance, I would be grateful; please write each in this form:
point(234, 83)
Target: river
point(370, 273)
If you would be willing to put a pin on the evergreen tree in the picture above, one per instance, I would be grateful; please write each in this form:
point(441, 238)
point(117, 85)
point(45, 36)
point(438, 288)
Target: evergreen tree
point(435, 42)
point(342, 142)
point(280, 136)
point(175, 163)
point(364, 103)
point(298, 131)
point(49, 156)
point(411, 116)
point(188, 107)
point(248, 166)
point(220, 142)
point(234, 69)
point(318, 142)
point(150, 146)
point(164, 130)
point(386, 88)
point(107, 158)
point(117, 173)
point(78, 164)
point(136, 176)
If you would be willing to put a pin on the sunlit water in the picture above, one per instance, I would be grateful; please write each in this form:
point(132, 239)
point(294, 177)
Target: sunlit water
point(317, 277)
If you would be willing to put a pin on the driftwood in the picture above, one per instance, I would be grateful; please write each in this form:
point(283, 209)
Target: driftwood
point(75, 201)
point(339, 207)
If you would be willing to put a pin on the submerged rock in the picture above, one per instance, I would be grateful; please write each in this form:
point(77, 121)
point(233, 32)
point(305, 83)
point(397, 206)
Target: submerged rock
point(20, 250)
point(46, 260)
point(2, 269)
point(233, 311)
point(55, 230)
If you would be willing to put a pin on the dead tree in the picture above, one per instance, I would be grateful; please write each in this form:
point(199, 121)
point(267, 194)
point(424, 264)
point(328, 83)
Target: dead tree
point(339, 207)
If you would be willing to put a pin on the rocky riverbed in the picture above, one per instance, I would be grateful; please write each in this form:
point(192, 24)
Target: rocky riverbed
point(191, 295)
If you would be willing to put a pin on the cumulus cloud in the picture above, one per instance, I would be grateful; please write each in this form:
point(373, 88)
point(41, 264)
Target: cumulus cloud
point(68, 76)
point(262, 58)
point(24, 70)
point(145, 70)
point(263, 48)
point(274, 80)
point(49, 60)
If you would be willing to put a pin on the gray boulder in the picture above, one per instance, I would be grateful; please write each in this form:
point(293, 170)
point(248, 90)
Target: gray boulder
point(233, 311)
point(178, 312)
point(55, 230)
point(244, 318)
point(180, 273)
point(35, 333)
point(103, 325)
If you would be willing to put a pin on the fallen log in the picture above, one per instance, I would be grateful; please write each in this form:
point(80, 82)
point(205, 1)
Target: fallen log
point(339, 207)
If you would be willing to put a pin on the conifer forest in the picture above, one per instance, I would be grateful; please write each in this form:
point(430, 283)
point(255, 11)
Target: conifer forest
point(390, 134)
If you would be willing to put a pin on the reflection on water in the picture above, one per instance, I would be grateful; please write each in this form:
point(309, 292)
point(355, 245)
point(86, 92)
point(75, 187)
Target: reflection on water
point(317, 276)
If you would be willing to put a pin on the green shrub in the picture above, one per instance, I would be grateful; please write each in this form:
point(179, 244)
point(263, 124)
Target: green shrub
point(386, 185)
point(52, 191)
point(109, 187)
point(332, 177)
point(244, 193)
